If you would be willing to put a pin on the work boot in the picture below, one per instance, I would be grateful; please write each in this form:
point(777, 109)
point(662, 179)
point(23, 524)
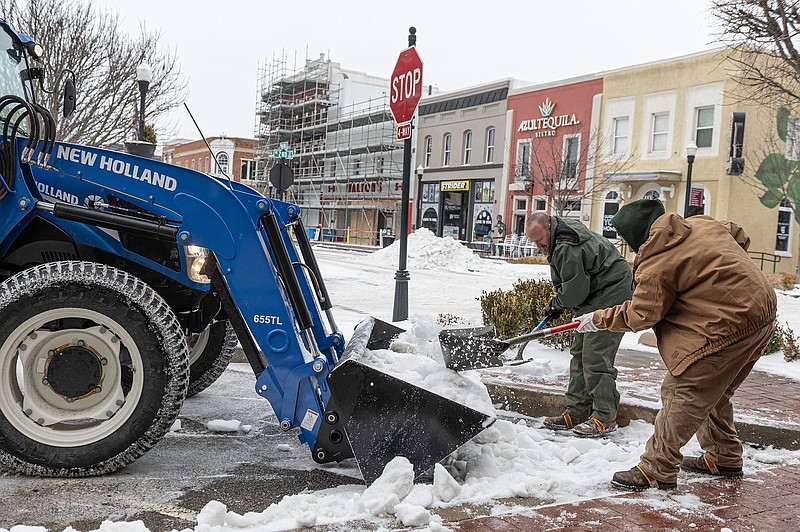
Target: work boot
point(594, 428)
point(636, 479)
point(703, 465)
point(563, 422)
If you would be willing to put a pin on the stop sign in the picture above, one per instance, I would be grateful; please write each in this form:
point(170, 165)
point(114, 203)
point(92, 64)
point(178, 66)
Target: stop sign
point(406, 89)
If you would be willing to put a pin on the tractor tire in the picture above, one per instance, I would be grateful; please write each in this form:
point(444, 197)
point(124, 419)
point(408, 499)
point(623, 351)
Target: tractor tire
point(93, 370)
point(209, 354)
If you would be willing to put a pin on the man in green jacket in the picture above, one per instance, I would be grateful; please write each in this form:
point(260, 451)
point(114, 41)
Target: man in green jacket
point(588, 273)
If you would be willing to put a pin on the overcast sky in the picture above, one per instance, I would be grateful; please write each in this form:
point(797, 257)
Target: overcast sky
point(220, 45)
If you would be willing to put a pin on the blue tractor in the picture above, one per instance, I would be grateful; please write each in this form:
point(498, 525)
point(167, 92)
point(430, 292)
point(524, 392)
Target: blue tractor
point(109, 261)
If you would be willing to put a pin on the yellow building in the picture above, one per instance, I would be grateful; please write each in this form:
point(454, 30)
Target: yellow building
point(651, 113)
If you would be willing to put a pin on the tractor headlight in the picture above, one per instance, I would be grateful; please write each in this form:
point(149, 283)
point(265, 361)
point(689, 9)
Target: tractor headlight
point(36, 50)
point(195, 260)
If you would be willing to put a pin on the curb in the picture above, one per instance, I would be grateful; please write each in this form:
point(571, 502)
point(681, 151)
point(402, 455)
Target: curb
point(538, 401)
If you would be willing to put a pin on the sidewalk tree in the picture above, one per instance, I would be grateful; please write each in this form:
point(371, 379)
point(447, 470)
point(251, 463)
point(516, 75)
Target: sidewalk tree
point(89, 40)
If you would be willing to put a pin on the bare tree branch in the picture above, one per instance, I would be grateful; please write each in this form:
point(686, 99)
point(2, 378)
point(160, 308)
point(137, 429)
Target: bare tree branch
point(89, 41)
point(764, 37)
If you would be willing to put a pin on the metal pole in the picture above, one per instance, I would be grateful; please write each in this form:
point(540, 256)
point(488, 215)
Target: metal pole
point(690, 160)
point(401, 276)
point(419, 202)
point(142, 91)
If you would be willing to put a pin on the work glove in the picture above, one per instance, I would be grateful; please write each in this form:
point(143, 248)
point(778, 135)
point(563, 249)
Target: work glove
point(587, 324)
point(551, 312)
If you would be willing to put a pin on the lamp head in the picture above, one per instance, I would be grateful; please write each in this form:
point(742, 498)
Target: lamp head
point(691, 149)
point(144, 73)
point(420, 171)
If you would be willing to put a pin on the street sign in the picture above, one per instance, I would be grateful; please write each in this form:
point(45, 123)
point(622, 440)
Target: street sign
point(283, 153)
point(406, 85)
point(404, 131)
point(281, 177)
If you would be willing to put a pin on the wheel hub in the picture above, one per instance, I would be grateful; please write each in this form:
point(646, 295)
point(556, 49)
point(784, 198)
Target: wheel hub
point(74, 371)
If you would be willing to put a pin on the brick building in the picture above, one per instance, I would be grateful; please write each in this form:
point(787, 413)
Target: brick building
point(234, 155)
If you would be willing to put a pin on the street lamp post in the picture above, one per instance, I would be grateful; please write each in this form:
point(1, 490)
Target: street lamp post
point(420, 171)
point(144, 74)
point(691, 151)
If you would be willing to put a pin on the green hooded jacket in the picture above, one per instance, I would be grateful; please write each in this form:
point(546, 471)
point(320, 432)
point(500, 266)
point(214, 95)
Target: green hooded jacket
point(588, 272)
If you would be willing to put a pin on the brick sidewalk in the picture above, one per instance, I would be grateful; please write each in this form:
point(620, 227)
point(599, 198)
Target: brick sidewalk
point(772, 399)
point(767, 500)
point(766, 407)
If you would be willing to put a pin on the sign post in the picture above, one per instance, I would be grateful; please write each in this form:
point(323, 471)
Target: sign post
point(405, 90)
point(281, 176)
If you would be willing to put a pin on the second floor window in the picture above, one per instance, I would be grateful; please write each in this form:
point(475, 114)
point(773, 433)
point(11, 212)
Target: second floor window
point(490, 145)
point(570, 168)
point(222, 160)
point(428, 150)
point(704, 130)
point(658, 142)
point(621, 135)
point(467, 147)
point(448, 144)
point(524, 160)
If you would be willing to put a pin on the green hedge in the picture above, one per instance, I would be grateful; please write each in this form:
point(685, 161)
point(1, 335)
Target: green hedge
point(520, 309)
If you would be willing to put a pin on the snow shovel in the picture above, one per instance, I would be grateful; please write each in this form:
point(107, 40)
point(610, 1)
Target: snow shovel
point(385, 416)
point(478, 347)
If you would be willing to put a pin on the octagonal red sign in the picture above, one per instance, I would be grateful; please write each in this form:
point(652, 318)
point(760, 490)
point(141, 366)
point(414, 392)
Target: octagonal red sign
point(406, 85)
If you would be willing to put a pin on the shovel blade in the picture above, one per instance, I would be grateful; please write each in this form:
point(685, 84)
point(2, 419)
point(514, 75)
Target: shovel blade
point(471, 348)
point(385, 417)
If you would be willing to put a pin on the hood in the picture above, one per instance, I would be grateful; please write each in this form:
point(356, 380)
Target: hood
point(633, 221)
point(567, 231)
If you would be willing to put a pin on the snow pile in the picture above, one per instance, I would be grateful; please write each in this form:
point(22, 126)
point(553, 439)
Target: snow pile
point(427, 251)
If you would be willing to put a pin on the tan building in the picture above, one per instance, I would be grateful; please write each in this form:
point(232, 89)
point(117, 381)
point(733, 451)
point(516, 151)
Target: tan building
point(651, 113)
point(234, 158)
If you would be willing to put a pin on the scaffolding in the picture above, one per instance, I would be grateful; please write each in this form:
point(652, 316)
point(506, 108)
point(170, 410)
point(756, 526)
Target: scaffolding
point(347, 163)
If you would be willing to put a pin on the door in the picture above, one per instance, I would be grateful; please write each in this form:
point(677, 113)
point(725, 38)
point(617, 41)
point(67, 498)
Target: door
point(454, 217)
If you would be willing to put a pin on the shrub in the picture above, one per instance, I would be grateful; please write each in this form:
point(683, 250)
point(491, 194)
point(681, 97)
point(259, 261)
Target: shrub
point(783, 339)
point(533, 259)
point(520, 309)
point(782, 280)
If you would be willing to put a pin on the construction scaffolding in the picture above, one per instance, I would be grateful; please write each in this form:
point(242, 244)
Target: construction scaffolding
point(347, 163)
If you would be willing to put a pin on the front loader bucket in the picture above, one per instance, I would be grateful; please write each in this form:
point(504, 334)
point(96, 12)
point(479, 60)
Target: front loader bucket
point(471, 348)
point(385, 417)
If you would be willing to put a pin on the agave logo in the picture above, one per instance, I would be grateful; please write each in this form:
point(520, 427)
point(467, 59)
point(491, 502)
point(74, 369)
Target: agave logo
point(547, 107)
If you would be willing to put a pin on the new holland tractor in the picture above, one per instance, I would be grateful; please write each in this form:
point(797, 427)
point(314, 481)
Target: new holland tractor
point(110, 260)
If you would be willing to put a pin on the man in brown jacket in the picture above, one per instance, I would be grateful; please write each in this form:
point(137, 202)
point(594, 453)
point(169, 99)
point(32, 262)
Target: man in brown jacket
point(713, 313)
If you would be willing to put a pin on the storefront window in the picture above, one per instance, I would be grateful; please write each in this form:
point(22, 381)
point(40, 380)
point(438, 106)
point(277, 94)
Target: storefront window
point(783, 236)
point(610, 208)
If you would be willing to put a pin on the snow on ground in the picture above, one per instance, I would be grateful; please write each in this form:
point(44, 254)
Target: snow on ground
point(512, 458)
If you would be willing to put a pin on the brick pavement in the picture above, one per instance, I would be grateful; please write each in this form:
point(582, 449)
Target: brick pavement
point(765, 501)
point(767, 410)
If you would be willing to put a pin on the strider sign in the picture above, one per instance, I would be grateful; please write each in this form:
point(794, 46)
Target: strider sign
point(454, 186)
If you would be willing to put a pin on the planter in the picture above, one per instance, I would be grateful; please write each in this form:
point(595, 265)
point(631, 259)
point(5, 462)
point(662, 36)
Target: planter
point(140, 148)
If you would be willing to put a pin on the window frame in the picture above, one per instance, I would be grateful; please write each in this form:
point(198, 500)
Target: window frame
point(447, 144)
point(428, 150)
point(709, 128)
point(491, 133)
point(664, 133)
point(616, 137)
point(467, 147)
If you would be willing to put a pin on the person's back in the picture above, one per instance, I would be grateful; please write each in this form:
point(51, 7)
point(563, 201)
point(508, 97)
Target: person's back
point(575, 246)
point(718, 292)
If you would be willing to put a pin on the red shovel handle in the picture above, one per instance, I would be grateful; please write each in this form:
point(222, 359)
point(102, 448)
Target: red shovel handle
point(504, 344)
